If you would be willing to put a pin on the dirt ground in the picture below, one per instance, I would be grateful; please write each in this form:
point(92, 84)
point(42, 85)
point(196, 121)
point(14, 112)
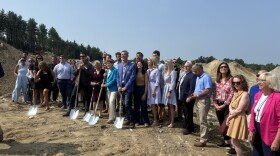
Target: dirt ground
point(48, 133)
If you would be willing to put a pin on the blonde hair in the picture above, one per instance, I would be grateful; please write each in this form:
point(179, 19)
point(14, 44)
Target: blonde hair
point(170, 67)
point(97, 62)
point(43, 64)
point(272, 79)
point(154, 61)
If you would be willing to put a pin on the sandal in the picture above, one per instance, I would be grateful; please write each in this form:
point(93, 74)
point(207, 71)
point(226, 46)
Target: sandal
point(170, 126)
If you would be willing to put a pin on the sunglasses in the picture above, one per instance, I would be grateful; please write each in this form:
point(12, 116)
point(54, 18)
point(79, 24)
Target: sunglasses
point(223, 67)
point(236, 83)
point(22, 60)
point(39, 58)
point(82, 56)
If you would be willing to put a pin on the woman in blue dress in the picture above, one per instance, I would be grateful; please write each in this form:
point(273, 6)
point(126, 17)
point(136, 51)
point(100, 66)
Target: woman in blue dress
point(169, 94)
point(154, 94)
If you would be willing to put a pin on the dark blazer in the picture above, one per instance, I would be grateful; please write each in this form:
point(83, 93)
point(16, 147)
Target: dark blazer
point(187, 87)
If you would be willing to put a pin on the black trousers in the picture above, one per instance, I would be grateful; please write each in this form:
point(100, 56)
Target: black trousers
point(87, 90)
point(188, 113)
point(221, 114)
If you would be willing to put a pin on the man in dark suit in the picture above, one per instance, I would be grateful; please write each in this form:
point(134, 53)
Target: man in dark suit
point(186, 88)
point(125, 82)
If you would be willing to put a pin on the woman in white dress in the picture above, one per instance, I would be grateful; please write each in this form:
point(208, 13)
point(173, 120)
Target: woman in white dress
point(169, 94)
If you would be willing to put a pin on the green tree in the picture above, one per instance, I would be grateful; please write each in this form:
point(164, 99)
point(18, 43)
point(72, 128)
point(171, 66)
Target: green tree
point(42, 36)
point(31, 34)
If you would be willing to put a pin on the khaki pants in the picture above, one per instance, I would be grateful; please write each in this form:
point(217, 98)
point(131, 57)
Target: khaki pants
point(202, 107)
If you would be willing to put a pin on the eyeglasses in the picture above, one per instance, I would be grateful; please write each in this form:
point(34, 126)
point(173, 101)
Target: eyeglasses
point(174, 62)
point(261, 80)
point(236, 83)
point(223, 67)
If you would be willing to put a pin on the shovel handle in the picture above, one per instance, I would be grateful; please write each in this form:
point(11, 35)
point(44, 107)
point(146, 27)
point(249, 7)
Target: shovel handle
point(99, 95)
point(76, 101)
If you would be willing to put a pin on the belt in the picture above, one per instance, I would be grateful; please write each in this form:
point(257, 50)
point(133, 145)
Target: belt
point(63, 79)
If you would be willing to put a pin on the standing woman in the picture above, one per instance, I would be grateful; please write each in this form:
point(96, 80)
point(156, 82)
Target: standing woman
point(46, 77)
point(21, 82)
point(37, 90)
point(265, 115)
point(222, 96)
point(140, 95)
point(96, 81)
point(237, 121)
point(154, 94)
point(169, 94)
point(111, 84)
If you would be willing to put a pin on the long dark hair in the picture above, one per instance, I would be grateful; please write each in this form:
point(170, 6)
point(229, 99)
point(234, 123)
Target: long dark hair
point(219, 74)
point(143, 71)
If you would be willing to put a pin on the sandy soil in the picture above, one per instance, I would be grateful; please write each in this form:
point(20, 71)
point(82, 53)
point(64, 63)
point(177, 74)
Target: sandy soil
point(48, 133)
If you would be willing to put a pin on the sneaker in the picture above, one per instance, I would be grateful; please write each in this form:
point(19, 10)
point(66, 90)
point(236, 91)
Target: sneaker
point(200, 144)
point(186, 132)
point(231, 151)
point(224, 145)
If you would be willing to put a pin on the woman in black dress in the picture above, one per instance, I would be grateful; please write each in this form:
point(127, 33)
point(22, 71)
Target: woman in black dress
point(96, 81)
point(46, 77)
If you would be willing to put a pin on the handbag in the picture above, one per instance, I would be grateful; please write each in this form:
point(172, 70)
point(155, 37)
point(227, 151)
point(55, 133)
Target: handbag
point(223, 128)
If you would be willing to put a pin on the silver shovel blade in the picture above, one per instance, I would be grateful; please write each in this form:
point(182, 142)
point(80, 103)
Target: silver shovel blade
point(119, 122)
point(74, 114)
point(32, 111)
point(93, 120)
point(87, 117)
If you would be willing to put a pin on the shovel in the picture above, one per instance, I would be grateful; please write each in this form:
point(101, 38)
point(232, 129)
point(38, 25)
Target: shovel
point(75, 112)
point(32, 110)
point(93, 119)
point(119, 120)
point(88, 114)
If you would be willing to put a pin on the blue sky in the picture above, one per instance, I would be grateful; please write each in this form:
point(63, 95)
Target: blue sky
point(244, 29)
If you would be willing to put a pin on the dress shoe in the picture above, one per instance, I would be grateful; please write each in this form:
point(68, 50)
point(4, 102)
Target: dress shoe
point(66, 114)
point(200, 144)
point(132, 125)
point(186, 132)
point(127, 122)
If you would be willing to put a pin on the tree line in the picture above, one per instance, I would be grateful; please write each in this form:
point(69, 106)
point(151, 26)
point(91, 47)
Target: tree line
point(31, 37)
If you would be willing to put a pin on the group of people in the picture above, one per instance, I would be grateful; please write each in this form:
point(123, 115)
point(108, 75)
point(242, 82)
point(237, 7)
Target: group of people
point(139, 85)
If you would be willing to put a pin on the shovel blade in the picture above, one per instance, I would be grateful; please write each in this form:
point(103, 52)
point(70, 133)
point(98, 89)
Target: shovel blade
point(32, 111)
point(119, 122)
point(74, 114)
point(93, 120)
point(87, 117)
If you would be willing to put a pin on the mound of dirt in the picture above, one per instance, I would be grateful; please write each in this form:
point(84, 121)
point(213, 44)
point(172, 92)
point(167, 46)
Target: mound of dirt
point(276, 72)
point(235, 68)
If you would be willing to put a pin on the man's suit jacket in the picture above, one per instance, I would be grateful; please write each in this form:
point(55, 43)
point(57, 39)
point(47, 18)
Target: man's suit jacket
point(129, 76)
point(187, 86)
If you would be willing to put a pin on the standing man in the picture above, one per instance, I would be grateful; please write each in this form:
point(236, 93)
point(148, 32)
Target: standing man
point(54, 90)
point(64, 75)
point(186, 87)
point(179, 105)
point(162, 112)
point(125, 82)
point(202, 94)
point(84, 69)
point(118, 59)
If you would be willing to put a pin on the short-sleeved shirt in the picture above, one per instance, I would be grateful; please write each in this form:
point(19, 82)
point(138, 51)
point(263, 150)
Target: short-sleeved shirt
point(203, 82)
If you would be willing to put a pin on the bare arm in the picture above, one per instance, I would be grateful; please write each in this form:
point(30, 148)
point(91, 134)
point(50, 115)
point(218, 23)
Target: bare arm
point(16, 70)
point(243, 104)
